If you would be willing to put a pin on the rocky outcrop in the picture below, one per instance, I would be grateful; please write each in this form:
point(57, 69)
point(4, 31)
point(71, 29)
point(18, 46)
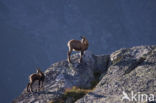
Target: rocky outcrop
point(131, 71)
point(126, 71)
point(62, 75)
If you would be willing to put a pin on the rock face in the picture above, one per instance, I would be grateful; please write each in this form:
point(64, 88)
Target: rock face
point(131, 70)
point(63, 75)
point(126, 71)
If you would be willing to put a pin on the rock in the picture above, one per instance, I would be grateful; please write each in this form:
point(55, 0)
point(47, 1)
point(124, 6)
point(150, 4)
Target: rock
point(131, 70)
point(102, 62)
point(62, 75)
point(69, 100)
point(124, 72)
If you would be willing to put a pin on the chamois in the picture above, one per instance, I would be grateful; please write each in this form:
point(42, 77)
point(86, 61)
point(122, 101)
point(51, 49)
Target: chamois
point(77, 45)
point(39, 75)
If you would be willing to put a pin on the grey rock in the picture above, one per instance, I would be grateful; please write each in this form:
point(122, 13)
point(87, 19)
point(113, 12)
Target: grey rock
point(62, 75)
point(124, 71)
point(131, 70)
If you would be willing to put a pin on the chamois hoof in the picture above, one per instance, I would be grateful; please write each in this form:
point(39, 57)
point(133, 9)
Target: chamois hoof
point(69, 62)
point(31, 91)
point(80, 61)
point(42, 88)
point(38, 90)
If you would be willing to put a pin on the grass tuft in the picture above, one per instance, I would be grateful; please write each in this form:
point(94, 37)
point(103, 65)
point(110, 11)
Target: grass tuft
point(72, 94)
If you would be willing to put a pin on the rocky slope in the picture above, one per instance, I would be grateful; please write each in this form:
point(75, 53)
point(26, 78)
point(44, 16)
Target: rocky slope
point(126, 70)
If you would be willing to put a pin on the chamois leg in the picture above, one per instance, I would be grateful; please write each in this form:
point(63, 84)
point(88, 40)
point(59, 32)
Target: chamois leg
point(69, 53)
point(42, 85)
point(39, 85)
point(28, 87)
point(82, 52)
point(31, 83)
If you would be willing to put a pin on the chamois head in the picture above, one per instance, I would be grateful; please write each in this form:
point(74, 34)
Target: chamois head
point(83, 38)
point(84, 41)
point(38, 70)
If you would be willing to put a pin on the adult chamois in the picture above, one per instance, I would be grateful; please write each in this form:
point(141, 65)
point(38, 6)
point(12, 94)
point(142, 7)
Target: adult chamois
point(39, 75)
point(77, 45)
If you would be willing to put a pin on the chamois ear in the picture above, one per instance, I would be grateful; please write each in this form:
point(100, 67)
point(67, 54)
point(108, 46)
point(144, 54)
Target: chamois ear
point(37, 70)
point(83, 37)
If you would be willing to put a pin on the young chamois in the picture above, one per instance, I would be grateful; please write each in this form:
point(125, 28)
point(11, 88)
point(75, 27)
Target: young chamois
point(77, 45)
point(34, 77)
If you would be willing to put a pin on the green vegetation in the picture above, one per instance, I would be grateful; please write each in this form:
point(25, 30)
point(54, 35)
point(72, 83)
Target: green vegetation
point(75, 93)
point(72, 94)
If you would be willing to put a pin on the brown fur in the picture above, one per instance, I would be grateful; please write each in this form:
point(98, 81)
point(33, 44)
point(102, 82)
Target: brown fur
point(77, 45)
point(33, 77)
